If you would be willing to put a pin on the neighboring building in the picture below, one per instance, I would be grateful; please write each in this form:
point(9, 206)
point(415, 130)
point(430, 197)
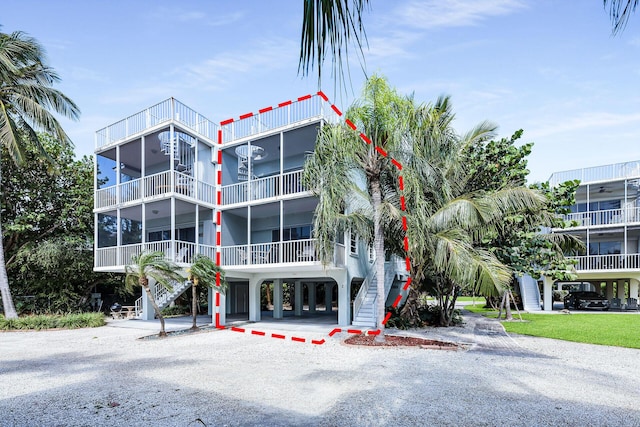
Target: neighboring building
point(607, 213)
point(169, 179)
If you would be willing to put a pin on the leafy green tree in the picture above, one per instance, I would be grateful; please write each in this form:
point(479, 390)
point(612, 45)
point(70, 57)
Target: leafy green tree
point(446, 215)
point(152, 265)
point(27, 100)
point(204, 272)
point(521, 241)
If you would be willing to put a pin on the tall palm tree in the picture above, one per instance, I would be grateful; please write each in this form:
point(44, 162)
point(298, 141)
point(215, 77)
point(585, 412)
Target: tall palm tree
point(27, 100)
point(205, 272)
point(350, 177)
point(152, 265)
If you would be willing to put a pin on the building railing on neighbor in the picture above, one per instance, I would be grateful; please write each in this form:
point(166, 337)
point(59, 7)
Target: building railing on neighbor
point(170, 109)
point(263, 188)
point(607, 262)
point(158, 184)
point(598, 173)
point(279, 117)
point(174, 250)
point(605, 217)
point(277, 252)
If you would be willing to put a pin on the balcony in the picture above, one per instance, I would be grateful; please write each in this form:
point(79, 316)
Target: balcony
point(152, 186)
point(607, 262)
point(263, 188)
point(165, 111)
point(175, 250)
point(598, 173)
point(604, 217)
point(269, 120)
point(294, 251)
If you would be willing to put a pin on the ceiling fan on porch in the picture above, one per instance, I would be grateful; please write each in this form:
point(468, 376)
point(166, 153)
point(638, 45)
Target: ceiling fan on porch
point(604, 189)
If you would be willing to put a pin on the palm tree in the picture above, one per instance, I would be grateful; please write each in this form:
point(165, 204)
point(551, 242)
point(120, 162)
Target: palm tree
point(620, 11)
point(445, 222)
point(330, 25)
point(351, 177)
point(27, 100)
point(152, 265)
point(205, 272)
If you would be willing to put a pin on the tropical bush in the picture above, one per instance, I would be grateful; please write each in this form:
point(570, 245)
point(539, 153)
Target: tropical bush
point(53, 321)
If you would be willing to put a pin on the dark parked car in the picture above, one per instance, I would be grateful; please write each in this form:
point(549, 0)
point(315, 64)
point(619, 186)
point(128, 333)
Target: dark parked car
point(585, 299)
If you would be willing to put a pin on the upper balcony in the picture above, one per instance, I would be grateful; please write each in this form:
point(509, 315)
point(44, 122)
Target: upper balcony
point(156, 186)
point(617, 171)
point(152, 117)
point(269, 120)
point(607, 263)
point(603, 218)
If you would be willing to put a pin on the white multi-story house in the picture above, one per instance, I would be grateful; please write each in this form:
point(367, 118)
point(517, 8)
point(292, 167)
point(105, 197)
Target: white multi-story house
point(607, 219)
point(168, 179)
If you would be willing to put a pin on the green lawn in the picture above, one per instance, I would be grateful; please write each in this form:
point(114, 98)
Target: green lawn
point(619, 329)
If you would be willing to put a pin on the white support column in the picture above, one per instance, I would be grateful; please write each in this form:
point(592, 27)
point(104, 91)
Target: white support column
point(277, 299)
point(147, 309)
point(633, 288)
point(220, 309)
point(548, 293)
point(344, 298)
point(620, 287)
point(298, 298)
point(311, 287)
point(328, 297)
point(254, 300)
point(609, 291)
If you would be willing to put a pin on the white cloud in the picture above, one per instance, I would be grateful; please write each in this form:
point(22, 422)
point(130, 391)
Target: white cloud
point(585, 121)
point(428, 14)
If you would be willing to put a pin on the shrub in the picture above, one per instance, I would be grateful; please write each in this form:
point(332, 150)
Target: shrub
point(429, 315)
point(176, 310)
point(44, 321)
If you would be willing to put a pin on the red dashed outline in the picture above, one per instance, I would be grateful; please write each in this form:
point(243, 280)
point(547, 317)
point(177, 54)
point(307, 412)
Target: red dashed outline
point(403, 206)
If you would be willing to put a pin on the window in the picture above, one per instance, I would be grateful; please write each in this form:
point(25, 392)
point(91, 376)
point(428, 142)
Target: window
point(299, 232)
point(353, 243)
point(187, 234)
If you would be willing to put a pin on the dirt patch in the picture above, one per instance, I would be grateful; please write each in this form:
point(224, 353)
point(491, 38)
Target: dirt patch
point(397, 341)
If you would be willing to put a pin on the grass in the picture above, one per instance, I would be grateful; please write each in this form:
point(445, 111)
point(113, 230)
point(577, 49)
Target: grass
point(51, 321)
point(619, 329)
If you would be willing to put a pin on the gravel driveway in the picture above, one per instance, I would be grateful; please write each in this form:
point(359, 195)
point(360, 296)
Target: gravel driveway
point(106, 376)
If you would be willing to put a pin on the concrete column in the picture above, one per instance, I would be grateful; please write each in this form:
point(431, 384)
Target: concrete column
point(210, 303)
point(277, 299)
point(147, 308)
point(548, 293)
point(298, 298)
point(620, 285)
point(221, 309)
point(609, 293)
point(633, 288)
point(311, 289)
point(254, 300)
point(344, 298)
point(328, 297)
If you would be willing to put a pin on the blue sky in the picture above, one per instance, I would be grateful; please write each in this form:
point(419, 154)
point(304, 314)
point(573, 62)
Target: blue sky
point(549, 67)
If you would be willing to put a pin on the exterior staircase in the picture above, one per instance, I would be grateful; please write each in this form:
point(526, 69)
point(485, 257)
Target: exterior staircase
point(364, 305)
point(530, 293)
point(163, 296)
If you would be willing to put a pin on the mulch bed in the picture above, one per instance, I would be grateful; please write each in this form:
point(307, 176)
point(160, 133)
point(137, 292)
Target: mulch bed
point(397, 341)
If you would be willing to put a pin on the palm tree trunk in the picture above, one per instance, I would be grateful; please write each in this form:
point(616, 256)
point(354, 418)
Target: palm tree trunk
point(194, 305)
point(156, 309)
point(7, 300)
point(378, 245)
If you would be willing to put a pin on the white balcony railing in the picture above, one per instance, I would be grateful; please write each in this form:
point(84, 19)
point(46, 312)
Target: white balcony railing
point(598, 173)
point(159, 184)
point(277, 252)
point(607, 262)
point(155, 115)
point(263, 188)
point(174, 250)
point(294, 112)
point(605, 217)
